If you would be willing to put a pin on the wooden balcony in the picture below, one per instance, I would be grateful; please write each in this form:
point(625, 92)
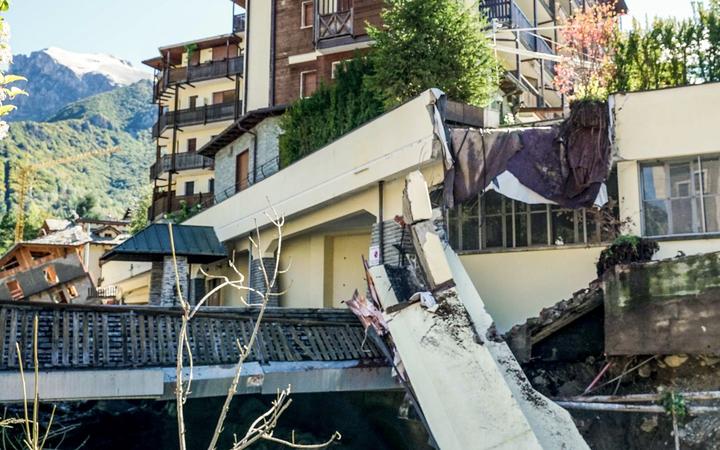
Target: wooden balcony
point(183, 161)
point(162, 202)
point(199, 72)
point(201, 115)
point(333, 19)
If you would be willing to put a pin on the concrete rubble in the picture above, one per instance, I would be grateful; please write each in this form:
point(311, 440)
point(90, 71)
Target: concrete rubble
point(469, 387)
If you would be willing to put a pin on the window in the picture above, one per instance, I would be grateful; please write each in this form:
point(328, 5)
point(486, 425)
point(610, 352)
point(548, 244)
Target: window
point(50, 275)
point(16, 292)
point(189, 188)
point(192, 144)
point(307, 14)
point(308, 83)
point(494, 221)
point(334, 69)
point(12, 264)
point(192, 101)
point(72, 291)
point(211, 185)
point(681, 196)
point(224, 97)
point(38, 254)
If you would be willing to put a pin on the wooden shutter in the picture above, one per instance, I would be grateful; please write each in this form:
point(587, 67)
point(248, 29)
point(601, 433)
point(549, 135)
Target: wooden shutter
point(242, 166)
point(192, 144)
point(220, 53)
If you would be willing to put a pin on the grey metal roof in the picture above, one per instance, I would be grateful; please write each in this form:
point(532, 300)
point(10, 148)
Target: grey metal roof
point(199, 244)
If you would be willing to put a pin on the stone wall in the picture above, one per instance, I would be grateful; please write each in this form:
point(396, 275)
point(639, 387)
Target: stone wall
point(267, 151)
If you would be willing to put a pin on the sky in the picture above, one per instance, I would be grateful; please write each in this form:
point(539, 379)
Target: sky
point(133, 29)
point(128, 29)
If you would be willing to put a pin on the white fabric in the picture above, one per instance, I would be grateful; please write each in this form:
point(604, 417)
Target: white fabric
point(508, 185)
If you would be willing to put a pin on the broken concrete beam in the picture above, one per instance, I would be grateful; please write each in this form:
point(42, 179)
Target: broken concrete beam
point(431, 255)
point(552, 425)
point(416, 199)
point(460, 389)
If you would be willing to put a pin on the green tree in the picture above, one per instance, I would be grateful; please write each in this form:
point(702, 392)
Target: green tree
point(84, 207)
point(139, 217)
point(432, 44)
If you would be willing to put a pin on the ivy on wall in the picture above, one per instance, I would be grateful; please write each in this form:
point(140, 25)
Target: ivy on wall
point(330, 112)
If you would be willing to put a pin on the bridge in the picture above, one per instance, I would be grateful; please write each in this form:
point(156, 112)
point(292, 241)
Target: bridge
point(124, 352)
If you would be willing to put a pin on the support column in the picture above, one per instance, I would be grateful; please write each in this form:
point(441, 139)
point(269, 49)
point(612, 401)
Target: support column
point(168, 286)
point(257, 280)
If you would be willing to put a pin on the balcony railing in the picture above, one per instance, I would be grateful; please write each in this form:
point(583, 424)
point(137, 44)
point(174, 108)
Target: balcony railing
point(199, 72)
point(333, 18)
point(103, 292)
point(509, 14)
point(197, 116)
point(161, 200)
point(263, 171)
point(183, 161)
point(239, 23)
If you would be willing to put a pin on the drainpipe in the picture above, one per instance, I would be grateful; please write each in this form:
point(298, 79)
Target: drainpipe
point(246, 60)
point(271, 93)
point(381, 220)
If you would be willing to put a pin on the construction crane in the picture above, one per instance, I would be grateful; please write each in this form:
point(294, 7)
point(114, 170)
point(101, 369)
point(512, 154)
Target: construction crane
point(26, 178)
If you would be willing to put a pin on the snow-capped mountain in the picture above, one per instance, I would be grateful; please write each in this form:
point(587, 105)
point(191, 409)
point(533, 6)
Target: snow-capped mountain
point(57, 77)
point(118, 71)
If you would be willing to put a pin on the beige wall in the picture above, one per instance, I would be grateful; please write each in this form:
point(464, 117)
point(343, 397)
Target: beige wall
point(348, 273)
point(257, 59)
point(516, 285)
point(667, 123)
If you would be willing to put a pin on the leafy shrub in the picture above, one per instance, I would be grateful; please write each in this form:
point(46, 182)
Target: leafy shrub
point(625, 250)
point(330, 112)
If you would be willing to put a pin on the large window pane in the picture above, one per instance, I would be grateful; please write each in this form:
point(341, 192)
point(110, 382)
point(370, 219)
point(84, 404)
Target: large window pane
point(493, 232)
point(563, 226)
point(680, 180)
point(712, 213)
point(492, 202)
point(521, 228)
point(685, 216)
point(711, 175)
point(453, 229)
point(656, 218)
point(654, 182)
point(538, 223)
point(470, 234)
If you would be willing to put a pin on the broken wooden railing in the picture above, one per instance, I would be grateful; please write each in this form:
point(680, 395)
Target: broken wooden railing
point(98, 337)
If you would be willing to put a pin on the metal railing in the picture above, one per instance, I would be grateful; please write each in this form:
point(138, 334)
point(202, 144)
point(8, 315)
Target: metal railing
point(333, 18)
point(199, 72)
point(183, 161)
point(239, 23)
point(197, 116)
point(263, 171)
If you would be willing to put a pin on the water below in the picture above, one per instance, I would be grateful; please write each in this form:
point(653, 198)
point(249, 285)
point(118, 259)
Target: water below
point(368, 421)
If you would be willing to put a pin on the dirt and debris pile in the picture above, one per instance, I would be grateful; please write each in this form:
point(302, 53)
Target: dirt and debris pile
point(626, 250)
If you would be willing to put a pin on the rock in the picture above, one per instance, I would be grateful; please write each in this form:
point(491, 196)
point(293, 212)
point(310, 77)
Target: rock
point(570, 389)
point(416, 200)
point(649, 424)
point(645, 371)
point(675, 360)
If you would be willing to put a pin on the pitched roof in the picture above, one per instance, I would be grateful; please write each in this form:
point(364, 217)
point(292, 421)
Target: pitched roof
point(199, 245)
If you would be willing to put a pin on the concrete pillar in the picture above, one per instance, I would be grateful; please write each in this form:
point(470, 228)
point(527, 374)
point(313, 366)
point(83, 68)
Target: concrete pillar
point(156, 277)
point(168, 293)
point(257, 280)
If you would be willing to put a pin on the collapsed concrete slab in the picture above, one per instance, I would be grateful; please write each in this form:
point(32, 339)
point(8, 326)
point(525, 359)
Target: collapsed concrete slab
point(469, 387)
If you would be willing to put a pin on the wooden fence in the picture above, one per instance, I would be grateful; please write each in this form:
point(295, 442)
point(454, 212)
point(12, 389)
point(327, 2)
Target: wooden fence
point(97, 337)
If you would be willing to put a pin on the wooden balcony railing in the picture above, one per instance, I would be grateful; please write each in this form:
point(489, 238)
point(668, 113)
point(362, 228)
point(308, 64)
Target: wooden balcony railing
point(161, 200)
point(333, 18)
point(183, 161)
point(199, 72)
point(197, 116)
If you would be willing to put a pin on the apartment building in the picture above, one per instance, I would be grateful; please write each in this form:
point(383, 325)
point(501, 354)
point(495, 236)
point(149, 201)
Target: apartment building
point(198, 92)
